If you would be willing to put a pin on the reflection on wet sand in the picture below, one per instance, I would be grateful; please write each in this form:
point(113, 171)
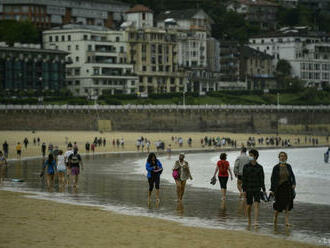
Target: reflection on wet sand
point(180, 208)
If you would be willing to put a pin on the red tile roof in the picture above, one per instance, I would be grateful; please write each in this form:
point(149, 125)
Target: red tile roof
point(139, 8)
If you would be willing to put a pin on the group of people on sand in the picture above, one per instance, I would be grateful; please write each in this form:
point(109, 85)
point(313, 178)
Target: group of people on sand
point(66, 166)
point(250, 181)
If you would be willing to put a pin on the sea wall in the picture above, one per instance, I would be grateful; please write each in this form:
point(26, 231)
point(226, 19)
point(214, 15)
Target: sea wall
point(162, 118)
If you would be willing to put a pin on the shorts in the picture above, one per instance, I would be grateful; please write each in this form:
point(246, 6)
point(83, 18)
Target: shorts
point(239, 177)
point(154, 180)
point(19, 152)
point(61, 169)
point(223, 182)
point(75, 171)
point(252, 196)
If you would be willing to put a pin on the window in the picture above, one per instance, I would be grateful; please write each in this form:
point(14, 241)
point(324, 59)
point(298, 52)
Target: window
point(77, 82)
point(56, 38)
point(144, 68)
point(89, 48)
point(140, 79)
point(63, 38)
point(121, 49)
point(85, 37)
point(143, 16)
point(149, 79)
point(77, 71)
point(69, 37)
point(77, 47)
point(117, 39)
point(77, 59)
point(317, 67)
point(69, 48)
point(96, 71)
point(50, 38)
point(153, 68)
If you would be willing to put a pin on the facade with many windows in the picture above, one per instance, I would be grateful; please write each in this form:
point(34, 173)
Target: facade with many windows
point(49, 13)
point(308, 54)
point(98, 59)
point(154, 53)
point(27, 67)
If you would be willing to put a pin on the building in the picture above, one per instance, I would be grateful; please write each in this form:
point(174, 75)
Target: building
point(49, 13)
point(27, 67)
point(307, 52)
point(98, 59)
point(257, 12)
point(185, 20)
point(213, 55)
point(153, 52)
point(256, 68)
point(229, 61)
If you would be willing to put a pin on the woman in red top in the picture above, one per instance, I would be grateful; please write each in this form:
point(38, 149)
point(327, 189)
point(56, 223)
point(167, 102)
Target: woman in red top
point(223, 168)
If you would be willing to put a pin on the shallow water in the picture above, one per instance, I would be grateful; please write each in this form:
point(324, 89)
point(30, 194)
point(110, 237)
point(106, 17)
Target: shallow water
point(117, 182)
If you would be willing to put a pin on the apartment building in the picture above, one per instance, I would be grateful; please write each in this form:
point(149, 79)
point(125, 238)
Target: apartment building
point(307, 52)
point(49, 13)
point(98, 59)
point(257, 12)
point(256, 68)
point(27, 67)
point(153, 52)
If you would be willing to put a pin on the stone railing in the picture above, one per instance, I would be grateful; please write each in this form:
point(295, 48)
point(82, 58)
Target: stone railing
point(168, 107)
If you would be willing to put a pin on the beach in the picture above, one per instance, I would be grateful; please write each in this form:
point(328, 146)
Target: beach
point(37, 223)
point(60, 139)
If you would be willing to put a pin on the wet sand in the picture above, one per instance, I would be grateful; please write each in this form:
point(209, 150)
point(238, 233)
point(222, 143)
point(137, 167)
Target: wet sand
point(81, 137)
point(26, 222)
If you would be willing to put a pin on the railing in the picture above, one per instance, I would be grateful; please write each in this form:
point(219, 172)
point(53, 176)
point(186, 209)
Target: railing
point(166, 107)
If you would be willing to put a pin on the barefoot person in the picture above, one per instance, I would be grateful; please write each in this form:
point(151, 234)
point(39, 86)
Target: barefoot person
point(50, 166)
point(66, 159)
point(74, 163)
point(182, 168)
point(240, 161)
point(223, 168)
point(283, 184)
point(3, 166)
point(19, 150)
point(61, 168)
point(154, 169)
point(253, 182)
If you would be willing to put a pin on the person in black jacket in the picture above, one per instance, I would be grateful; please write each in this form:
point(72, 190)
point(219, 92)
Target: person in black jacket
point(253, 181)
point(283, 184)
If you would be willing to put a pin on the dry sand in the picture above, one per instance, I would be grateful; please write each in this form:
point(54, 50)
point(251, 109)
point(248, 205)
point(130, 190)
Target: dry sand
point(26, 222)
point(81, 137)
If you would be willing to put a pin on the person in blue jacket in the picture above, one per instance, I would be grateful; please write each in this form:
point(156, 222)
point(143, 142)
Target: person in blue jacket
point(50, 166)
point(154, 169)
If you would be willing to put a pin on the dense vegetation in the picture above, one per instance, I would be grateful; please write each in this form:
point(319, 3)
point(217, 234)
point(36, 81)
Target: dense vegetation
point(24, 32)
point(309, 96)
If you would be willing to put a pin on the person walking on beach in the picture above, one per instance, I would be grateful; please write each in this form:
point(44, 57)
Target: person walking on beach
point(50, 166)
point(253, 182)
point(223, 168)
point(66, 159)
point(154, 169)
point(3, 167)
point(19, 150)
point(74, 163)
point(5, 148)
point(240, 161)
point(182, 169)
point(26, 142)
point(43, 149)
point(61, 168)
point(283, 184)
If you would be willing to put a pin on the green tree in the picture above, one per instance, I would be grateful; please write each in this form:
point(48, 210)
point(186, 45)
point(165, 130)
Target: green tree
point(24, 32)
point(283, 68)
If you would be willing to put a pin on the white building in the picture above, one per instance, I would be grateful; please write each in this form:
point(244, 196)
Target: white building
point(308, 54)
point(140, 17)
point(98, 59)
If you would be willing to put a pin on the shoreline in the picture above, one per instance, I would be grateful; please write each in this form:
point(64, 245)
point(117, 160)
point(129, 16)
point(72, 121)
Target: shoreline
point(26, 218)
point(177, 151)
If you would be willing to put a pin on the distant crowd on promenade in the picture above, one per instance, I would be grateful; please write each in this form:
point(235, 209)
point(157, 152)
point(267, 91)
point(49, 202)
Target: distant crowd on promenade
point(144, 144)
